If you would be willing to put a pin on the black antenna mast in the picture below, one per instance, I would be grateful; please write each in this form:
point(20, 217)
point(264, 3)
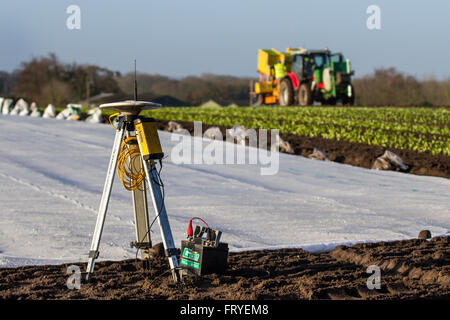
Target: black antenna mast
point(135, 82)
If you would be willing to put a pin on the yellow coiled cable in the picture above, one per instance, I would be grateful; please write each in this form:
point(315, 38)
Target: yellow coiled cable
point(129, 165)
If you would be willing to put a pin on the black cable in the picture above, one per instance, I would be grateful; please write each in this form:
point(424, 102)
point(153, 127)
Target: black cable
point(161, 185)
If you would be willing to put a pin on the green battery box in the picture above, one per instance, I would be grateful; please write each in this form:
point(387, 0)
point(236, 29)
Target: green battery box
point(200, 257)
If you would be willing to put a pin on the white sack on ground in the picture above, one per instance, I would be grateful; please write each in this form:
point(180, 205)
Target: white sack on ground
point(72, 112)
point(7, 105)
point(319, 154)
point(20, 108)
point(213, 133)
point(49, 112)
point(239, 132)
point(95, 116)
point(281, 145)
point(35, 112)
point(174, 127)
point(389, 161)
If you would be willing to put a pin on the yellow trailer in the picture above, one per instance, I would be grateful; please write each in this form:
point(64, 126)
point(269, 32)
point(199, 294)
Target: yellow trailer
point(267, 88)
point(272, 67)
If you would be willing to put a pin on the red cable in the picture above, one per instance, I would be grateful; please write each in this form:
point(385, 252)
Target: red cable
point(190, 232)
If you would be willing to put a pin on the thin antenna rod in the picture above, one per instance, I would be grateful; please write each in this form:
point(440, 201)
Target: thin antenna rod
point(135, 82)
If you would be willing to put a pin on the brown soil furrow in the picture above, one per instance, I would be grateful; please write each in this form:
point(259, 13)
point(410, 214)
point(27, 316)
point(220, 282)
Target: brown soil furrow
point(409, 269)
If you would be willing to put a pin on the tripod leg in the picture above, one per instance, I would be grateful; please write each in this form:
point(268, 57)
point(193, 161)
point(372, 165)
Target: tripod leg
point(143, 240)
point(93, 253)
point(163, 221)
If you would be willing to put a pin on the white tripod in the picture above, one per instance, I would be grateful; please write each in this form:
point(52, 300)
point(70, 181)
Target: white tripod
point(128, 116)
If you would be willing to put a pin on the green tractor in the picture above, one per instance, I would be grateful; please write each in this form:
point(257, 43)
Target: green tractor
point(309, 76)
point(322, 76)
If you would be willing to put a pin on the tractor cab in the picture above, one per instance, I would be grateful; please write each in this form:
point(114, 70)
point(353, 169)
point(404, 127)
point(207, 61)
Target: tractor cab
point(305, 64)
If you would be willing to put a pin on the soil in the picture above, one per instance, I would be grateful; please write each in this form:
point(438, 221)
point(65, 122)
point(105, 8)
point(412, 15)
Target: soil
point(410, 269)
point(355, 154)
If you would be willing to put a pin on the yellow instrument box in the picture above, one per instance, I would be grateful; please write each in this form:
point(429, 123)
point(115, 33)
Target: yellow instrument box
point(148, 139)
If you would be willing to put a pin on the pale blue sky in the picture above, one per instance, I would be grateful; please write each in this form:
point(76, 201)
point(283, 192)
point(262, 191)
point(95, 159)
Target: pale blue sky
point(189, 37)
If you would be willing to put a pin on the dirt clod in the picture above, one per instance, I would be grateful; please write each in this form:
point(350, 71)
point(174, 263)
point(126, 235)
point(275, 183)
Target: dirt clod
point(157, 250)
point(424, 234)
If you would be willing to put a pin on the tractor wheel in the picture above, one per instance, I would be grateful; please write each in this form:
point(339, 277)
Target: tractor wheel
point(349, 101)
point(304, 95)
point(331, 102)
point(286, 93)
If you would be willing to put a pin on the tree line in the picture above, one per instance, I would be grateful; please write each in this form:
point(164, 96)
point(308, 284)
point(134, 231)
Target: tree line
point(47, 80)
point(389, 87)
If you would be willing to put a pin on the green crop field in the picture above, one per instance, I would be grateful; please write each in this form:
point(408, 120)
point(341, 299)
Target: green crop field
point(418, 129)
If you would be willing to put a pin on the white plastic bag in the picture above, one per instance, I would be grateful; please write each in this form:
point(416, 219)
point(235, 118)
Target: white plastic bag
point(49, 112)
point(72, 112)
point(7, 105)
point(395, 160)
point(20, 108)
point(238, 132)
point(381, 164)
point(35, 112)
point(25, 109)
point(174, 127)
point(95, 116)
point(389, 161)
point(319, 154)
point(213, 133)
point(280, 145)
